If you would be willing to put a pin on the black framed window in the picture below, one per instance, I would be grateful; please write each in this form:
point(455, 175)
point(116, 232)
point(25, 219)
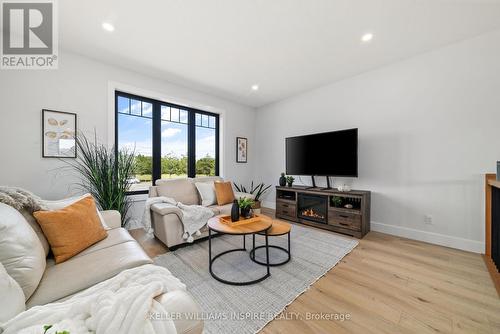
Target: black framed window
point(169, 140)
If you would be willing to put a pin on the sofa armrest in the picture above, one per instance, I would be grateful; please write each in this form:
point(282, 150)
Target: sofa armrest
point(181, 303)
point(165, 209)
point(243, 195)
point(112, 218)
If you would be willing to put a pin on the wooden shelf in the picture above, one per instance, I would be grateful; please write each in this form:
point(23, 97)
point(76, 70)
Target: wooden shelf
point(286, 200)
point(353, 211)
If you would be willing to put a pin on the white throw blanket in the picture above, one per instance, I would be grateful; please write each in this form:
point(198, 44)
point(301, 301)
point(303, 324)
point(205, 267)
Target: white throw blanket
point(121, 304)
point(20, 199)
point(193, 217)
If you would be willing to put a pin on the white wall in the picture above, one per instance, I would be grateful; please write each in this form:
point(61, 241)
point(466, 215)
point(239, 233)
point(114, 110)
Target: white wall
point(428, 130)
point(81, 85)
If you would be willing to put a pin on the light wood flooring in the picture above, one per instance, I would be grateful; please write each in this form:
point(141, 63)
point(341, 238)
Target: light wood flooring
point(391, 285)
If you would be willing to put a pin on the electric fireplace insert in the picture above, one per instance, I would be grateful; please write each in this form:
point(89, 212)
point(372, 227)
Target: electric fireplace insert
point(313, 207)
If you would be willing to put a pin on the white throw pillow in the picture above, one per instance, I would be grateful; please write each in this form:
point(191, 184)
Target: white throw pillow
point(61, 204)
point(207, 193)
point(21, 252)
point(12, 296)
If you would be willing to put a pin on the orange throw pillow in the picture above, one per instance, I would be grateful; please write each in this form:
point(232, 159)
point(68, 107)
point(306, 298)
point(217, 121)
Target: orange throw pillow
point(72, 229)
point(224, 192)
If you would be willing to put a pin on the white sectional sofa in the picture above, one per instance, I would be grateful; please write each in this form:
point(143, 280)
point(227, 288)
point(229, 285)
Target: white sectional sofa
point(21, 237)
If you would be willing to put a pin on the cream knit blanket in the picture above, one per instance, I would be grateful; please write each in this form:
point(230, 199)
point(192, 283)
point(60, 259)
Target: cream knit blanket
point(122, 304)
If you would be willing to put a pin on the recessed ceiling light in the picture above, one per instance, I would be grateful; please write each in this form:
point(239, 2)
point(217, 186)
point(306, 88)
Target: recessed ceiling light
point(367, 37)
point(108, 26)
point(255, 87)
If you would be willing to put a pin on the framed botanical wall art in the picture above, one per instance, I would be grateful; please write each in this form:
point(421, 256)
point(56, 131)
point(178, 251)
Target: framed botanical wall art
point(58, 134)
point(241, 149)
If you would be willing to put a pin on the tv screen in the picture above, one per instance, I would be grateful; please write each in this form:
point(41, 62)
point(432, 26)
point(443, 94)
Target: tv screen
point(323, 154)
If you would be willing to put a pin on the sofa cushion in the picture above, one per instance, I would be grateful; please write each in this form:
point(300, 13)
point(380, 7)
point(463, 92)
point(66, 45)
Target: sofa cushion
point(81, 272)
point(208, 179)
point(21, 252)
point(112, 218)
point(182, 190)
point(12, 296)
point(206, 190)
point(115, 236)
point(224, 192)
point(72, 229)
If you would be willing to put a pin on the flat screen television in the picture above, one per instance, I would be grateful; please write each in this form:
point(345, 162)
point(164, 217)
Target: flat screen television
point(323, 154)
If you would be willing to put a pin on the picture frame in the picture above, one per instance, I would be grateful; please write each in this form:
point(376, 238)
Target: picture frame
point(59, 134)
point(241, 150)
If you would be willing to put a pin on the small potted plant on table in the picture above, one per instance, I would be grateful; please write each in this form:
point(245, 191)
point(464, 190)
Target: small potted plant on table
point(245, 205)
point(289, 180)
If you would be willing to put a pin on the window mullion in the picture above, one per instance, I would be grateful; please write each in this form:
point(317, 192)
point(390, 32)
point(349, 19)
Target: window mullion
point(217, 133)
point(191, 144)
point(156, 142)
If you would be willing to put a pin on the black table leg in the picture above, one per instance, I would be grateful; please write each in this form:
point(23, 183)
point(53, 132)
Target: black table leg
point(267, 254)
point(212, 260)
point(252, 253)
point(244, 242)
point(210, 247)
point(267, 246)
point(289, 245)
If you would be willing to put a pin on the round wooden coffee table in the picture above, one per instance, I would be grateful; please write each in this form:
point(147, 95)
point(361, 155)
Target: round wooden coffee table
point(261, 226)
point(279, 228)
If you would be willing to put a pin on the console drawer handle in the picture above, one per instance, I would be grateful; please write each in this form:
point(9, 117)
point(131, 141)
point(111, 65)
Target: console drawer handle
point(285, 205)
point(343, 216)
point(344, 224)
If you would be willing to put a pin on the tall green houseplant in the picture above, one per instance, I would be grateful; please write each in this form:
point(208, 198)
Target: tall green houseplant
point(105, 173)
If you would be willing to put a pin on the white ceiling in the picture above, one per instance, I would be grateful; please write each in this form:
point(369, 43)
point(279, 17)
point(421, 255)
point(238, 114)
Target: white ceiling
point(223, 47)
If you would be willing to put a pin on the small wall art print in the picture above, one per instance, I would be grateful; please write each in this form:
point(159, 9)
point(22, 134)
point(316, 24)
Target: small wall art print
point(241, 149)
point(58, 134)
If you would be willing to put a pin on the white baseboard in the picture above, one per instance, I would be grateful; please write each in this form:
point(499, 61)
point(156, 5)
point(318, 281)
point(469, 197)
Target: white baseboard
point(410, 233)
point(430, 237)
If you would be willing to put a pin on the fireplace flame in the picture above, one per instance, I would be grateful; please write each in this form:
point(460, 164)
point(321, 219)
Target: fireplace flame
point(312, 213)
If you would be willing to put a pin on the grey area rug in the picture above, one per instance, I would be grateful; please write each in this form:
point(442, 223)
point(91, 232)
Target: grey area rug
point(247, 309)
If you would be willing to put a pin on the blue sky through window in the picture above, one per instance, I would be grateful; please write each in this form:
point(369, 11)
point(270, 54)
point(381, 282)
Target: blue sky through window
point(136, 133)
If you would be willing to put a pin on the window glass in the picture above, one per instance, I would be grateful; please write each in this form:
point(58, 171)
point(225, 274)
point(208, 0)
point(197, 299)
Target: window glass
point(147, 109)
point(135, 135)
point(135, 107)
point(204, 120)
point(165, 113)
point(205, 150)
point(123, 105)
point(183, 116)
point(174, 150)
point(174, 114)
point(136, 119)
point(211, 122)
